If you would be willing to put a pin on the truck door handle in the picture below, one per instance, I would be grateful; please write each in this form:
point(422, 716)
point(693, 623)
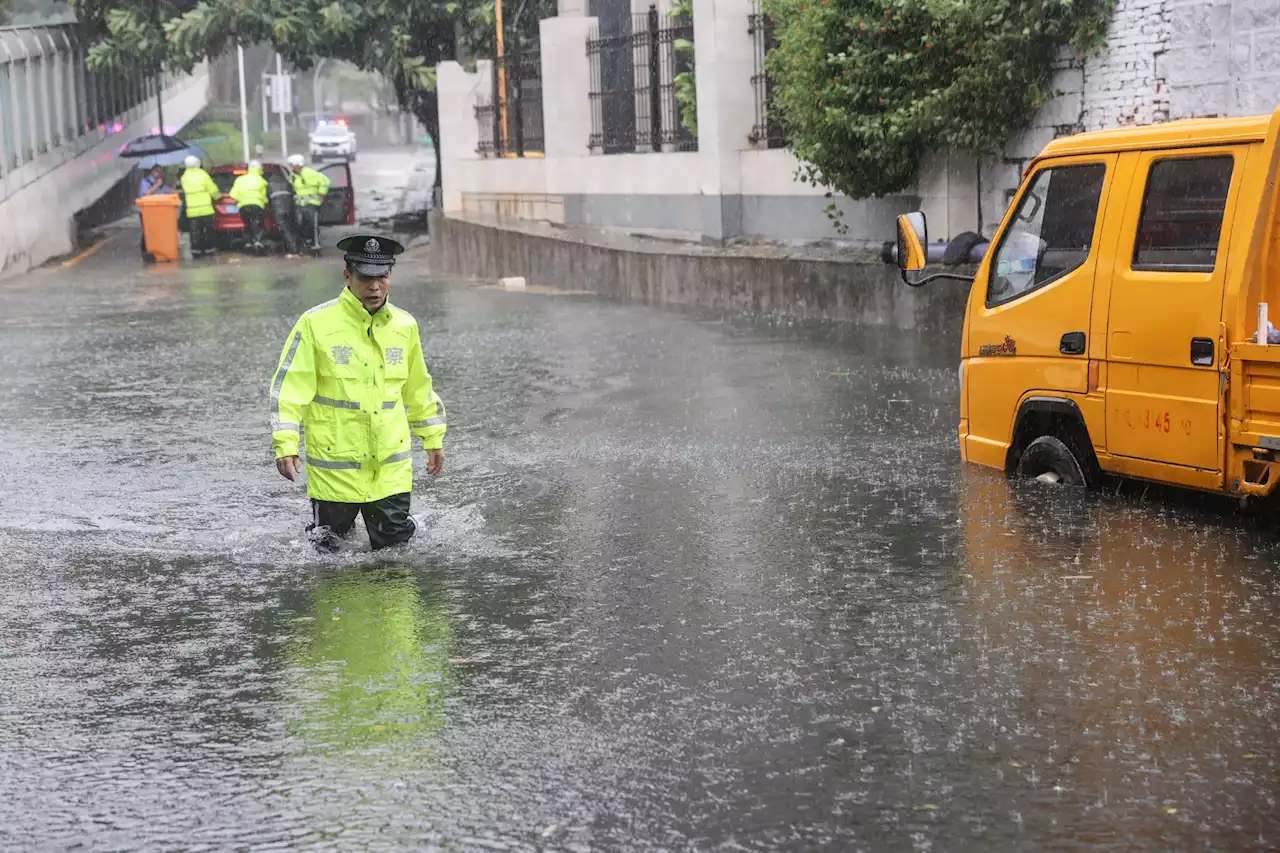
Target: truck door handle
point(1072, 344)
point(1202, 352)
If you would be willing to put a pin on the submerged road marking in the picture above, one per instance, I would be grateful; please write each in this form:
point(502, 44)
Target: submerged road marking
point(87, 252)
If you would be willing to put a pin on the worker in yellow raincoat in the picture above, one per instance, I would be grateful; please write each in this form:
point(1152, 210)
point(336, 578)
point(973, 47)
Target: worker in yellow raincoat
point(199, 193)
point(309, 189)
point(249, 192)
point(352, 382)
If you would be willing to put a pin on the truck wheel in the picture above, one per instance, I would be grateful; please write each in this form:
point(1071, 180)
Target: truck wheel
point(1049, 460)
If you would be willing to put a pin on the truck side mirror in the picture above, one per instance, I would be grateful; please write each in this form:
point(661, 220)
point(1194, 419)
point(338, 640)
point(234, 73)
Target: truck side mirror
point(913, 236)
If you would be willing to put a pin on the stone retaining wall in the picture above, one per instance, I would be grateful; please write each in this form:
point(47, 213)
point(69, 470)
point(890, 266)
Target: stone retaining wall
point(735, 280)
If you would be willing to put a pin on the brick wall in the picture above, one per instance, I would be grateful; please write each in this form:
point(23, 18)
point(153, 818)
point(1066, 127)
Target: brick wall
point(1164, 59)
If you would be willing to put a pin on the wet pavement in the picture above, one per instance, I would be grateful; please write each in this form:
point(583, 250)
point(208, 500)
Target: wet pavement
point(393, 181)
point(691, 583)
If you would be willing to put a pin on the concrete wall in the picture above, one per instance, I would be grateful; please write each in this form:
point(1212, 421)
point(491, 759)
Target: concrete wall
point(726, 189)
point(723, 280)
point(1164, 59)
point(37, 219)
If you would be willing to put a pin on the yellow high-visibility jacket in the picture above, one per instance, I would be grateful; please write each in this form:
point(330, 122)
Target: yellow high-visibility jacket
point(198, 192)
point(250, 189)
point(309, 186)
point(354, 386)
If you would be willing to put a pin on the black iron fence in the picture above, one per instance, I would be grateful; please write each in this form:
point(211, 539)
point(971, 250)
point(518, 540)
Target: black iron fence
point(767, 129)
point(485, 123)
point(633, 91)
point(511, 123)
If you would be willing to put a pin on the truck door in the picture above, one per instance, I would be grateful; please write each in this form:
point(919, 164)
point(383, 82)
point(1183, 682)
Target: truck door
point(1029, 319)
point(339, 206)
point(1163, 348)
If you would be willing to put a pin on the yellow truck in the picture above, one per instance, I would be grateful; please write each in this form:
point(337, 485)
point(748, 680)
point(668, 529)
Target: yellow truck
point(1111, 325)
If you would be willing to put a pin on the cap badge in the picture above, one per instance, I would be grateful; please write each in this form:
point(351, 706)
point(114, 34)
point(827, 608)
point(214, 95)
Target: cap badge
point(371, 246)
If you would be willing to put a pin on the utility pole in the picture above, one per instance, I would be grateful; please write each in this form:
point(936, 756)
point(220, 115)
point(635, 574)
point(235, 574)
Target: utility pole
point(159, 21)
point(280, 106)
point(160, 99)
point(317, 103)
point(502, 78)
point(244, 108)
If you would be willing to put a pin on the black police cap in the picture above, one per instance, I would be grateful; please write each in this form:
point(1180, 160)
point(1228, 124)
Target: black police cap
point(370, 255)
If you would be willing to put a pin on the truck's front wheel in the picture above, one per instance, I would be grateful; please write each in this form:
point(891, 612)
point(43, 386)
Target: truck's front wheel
point(1050, 460)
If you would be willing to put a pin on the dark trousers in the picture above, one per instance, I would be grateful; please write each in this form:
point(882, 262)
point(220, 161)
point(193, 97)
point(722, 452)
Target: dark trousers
point(252, 215)
point(201, 234)
point(387, 521)
point(282, 210)
point(309, 214)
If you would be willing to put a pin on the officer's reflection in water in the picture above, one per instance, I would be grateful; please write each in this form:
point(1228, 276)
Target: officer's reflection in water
point(369, 668)
point(352, 378)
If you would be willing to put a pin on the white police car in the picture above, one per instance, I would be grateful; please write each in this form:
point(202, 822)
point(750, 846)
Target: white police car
point(332, 139)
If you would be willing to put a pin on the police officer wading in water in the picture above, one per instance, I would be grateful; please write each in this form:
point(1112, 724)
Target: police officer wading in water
point(352, 379)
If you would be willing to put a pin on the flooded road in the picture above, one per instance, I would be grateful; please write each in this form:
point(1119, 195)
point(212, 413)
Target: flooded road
point(691, 584)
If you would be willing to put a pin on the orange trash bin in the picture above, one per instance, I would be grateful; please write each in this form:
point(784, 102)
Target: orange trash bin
point(160, 224)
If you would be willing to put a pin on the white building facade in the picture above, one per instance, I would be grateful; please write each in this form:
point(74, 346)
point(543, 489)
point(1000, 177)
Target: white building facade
point(603, 162)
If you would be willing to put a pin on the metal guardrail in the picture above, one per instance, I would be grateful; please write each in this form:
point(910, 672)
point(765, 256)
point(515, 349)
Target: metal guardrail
point(52, 107)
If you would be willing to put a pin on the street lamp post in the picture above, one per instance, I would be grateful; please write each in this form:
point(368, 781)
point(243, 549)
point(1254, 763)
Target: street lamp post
point(281, 106)
point(244, 108)
point(316, 101)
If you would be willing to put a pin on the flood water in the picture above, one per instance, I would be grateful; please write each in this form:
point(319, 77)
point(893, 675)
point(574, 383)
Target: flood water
point(691, 583)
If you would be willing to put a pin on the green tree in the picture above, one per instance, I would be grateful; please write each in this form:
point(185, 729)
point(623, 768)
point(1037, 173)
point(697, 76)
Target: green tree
point(9, 9)
point(128, 35)
point(866, 87)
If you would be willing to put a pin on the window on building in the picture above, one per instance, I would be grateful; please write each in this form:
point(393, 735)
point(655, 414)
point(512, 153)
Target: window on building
point(1182, 212)
point(1051, 233)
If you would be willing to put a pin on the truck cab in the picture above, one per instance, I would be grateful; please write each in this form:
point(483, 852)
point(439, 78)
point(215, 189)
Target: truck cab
point(1110, 326)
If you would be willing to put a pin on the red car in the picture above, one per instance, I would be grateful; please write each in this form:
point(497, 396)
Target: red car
point(339, 204)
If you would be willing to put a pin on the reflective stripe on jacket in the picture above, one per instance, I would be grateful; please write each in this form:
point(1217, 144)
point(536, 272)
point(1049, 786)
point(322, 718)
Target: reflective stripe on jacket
point(250, 189)
point(355, 386)
point(309, 186)
point(198, 192)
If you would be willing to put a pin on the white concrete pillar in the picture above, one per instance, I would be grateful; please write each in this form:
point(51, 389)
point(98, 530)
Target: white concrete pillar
point(725, 61)
point(566, 86)
point(459, 91)
point(948, 186)
point(571, 8)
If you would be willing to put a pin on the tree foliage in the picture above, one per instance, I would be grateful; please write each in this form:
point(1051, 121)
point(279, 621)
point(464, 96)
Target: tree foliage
point(128, 35)
point(866, 87)
point(686, 81)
